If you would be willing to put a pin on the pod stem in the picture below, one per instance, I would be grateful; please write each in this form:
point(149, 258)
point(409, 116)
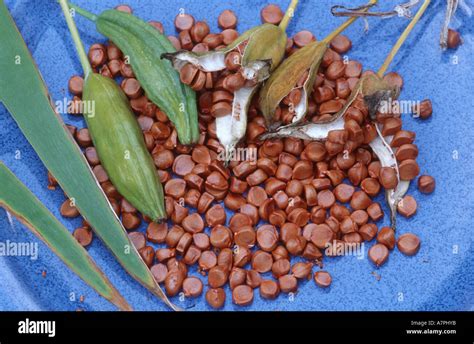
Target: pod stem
point(402, 38)
point(86, 14)
point(345, 25)
point(290, 12)
point(86, 66)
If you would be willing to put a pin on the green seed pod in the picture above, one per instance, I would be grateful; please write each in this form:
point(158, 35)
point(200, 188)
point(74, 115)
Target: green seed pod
point(120, 146)
point(143, 45)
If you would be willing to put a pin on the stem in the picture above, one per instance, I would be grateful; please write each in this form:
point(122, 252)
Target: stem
point(402, 38)
point(83, 12)
point(86, 66)
point(290, 12)
point(344, 26)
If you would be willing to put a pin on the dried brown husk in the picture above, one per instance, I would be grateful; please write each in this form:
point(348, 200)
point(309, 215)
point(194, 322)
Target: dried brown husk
point(285, 79)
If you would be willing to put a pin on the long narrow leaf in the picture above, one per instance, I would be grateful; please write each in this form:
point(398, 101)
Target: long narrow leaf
point(24, 94)
point(18, 200)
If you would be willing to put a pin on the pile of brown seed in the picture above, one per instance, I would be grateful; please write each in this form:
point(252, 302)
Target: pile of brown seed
point(289, 202)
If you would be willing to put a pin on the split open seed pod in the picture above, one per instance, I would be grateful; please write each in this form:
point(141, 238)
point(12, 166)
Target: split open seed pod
point(252, 57)
point(293, 80)
point(296, 74)
point(371, 88)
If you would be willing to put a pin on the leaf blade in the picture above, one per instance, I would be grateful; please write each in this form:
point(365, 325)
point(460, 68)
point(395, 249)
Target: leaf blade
point(18, 200)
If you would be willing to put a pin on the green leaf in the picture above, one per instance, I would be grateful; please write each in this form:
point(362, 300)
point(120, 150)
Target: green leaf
point(24, 94)
point(18, 200)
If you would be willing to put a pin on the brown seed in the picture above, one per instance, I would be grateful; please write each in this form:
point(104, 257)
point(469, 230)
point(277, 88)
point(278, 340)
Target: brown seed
point(425, 109)
point(183, 21)
point(408, 169)
point(281, 267)
point(269, 289)
point(83, 236)
point(188, 73)
point(175, 188)
point(322, 279)
point(344, 192)
point(335, 70)
point(227, 20)
point(157, 232)
point(217, 276)
point(454, 39)
point(262, 261)
point(288, 283)
point(215, 297)
point(183, 165)
point(341, 44)
point(368, 231)
point(253, 279)
point(378, 254)
point(131, 87)
point(406, 151)
point(233, 82)
point(407, 206)
point(68, 209)
point(192, 287)
point(159, 272)
point(245, 237)
point(426, 184)
point(242, 295)
point(213, 40)
point(303, 38)
point(163, 254)
point(148, 255)
point(174, 235)
point(233, 60)
point(124, 8)
point(83, 138)
point(402, 137)
point(353, 69)
point(391, 126)
point(138, 239)
point(272, 14)
point(326, 199)
point(192, 255)
point(386, 236)
point(76, 83)
point(360, 200)
point(388, 177)
point(199, 31)
point(256, 196)
point(229, 35)
point(323, 94)
point(408, 244)
point(97, 55)
point(221, 237)
point(193, 223)
point(302, 270)
point(173, 282)
point(237, 277)
point(242, 256)
point(207, 260)
point(371, 186)
point(267, 238)
point(321, 235)
point(375, 211)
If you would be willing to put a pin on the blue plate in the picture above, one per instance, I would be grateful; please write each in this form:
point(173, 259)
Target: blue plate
point(439, 277)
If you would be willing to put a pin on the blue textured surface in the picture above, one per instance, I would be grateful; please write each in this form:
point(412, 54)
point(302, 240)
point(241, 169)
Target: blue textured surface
point(439, 277)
